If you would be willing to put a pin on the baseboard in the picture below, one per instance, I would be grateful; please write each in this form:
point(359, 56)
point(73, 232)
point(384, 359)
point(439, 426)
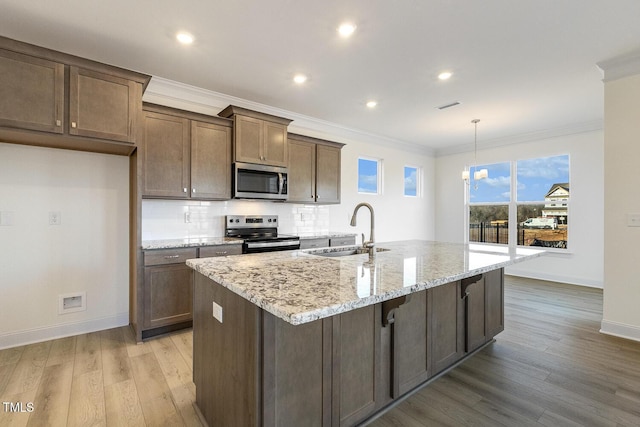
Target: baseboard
point(30, 336)
point(620, 330)
point(581, 281)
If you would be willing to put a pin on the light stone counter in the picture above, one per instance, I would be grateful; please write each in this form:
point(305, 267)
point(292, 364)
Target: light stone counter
point(300, 287)
point(189, 242)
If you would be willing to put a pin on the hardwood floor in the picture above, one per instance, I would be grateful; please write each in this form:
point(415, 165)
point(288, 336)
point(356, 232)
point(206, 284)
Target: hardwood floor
point(550, 367)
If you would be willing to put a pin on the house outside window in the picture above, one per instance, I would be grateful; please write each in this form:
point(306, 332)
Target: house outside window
point(535, 211)
point(412, 181)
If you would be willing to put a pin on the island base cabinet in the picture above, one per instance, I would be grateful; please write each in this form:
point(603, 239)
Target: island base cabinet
point(251, 368)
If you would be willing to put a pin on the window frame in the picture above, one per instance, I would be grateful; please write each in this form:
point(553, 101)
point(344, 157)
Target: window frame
point(418, 170)
point(513, 204)
point(379, 175)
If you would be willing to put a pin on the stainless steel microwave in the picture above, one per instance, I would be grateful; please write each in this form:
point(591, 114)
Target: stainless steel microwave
point(252, 181)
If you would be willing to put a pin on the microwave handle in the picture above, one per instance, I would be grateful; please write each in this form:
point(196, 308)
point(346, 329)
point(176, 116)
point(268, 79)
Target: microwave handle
point(281, 180)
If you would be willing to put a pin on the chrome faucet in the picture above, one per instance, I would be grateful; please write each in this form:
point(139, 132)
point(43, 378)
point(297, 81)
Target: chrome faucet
point(369, 244)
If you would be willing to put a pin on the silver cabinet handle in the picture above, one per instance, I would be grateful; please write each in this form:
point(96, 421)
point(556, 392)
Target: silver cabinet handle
point(184, 190)
point(221, 252)
point(58, 123)
point(74, 125)
point(171, 256)
point(193, 190)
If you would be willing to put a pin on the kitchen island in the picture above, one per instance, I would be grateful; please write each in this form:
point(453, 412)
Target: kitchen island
point(302, 338)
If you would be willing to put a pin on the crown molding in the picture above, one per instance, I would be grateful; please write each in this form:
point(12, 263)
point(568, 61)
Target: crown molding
point(590, 126)
point(620, 66)
point(191, 98)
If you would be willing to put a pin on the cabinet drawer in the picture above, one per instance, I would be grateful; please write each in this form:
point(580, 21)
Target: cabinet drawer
point(220, 250)
point(314, 243)
point(342, 241)
point(169, 256)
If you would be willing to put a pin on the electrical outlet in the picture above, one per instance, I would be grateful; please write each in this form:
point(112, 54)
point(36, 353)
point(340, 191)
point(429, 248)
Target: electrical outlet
point(633, 220)
point(55, 218)
point(187, 217)
point(217, 312)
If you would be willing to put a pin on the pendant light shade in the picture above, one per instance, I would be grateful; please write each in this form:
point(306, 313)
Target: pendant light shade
point(477, 174)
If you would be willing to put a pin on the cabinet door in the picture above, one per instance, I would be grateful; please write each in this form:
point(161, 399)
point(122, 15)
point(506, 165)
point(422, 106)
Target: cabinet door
point(31, 93)
point(446, 325)
point(210, 161)
point(494, 302)
point(410, 342)
point(356, 363)
point(168, 292)
point(276, 148)
point(328, 174)
point(103, 106)
point(248, 139)
point(302, 172)
point(474, 307)
point(166, 156)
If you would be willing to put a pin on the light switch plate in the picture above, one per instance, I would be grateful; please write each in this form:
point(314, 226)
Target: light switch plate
point(55, 218)
point(217, 312)
point(633, 220)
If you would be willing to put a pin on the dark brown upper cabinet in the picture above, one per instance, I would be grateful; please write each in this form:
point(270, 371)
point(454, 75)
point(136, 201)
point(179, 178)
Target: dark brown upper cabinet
point(314, 170)
point(258, 138)
point(52, 99)
point(185, 155)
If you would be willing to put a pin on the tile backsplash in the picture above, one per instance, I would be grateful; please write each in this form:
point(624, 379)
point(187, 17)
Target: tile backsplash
point(176, 219)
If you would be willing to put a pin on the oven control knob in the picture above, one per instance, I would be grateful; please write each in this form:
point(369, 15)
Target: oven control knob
point(237, 220)
point(275, 219)
point(269, 220)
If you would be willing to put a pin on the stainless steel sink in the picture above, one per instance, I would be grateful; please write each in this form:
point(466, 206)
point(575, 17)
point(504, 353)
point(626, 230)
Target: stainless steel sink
point(343, 252)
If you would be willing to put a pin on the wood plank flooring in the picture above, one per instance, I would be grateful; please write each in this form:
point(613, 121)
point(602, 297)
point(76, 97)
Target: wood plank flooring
point(550, 367)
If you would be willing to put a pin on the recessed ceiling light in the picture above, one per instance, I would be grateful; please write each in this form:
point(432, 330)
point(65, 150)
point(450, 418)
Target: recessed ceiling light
point(346, 29)
point(372, 104)
point(184, 38)
point(299, 78)
point(445, 75)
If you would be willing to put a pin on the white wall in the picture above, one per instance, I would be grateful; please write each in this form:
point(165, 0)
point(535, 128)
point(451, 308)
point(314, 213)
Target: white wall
point(583, 262)
point(88, 252)
point(622, 197)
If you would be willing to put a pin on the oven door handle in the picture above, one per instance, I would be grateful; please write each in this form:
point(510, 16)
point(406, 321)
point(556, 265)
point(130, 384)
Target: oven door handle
point(281, 243)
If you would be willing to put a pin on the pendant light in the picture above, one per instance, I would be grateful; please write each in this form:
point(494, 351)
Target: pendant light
point(477, 174)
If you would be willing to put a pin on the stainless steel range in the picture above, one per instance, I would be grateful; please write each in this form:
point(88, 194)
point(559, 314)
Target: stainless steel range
point(260, 233)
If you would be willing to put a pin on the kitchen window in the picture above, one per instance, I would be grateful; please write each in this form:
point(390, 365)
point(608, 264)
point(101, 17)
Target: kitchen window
point(523, 202)
point(369, 176)
point(412, 181)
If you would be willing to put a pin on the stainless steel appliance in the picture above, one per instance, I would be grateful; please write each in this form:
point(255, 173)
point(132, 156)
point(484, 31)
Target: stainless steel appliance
point(259, 182)
point(260, 233)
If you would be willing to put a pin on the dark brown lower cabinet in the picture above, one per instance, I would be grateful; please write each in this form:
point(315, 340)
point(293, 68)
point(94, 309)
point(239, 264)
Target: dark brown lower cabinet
point(168, 293)
point(254, 369)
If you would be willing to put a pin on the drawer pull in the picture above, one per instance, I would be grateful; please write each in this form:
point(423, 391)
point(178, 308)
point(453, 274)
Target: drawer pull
point(171, 256)
point(221, 252)
point(74, 125)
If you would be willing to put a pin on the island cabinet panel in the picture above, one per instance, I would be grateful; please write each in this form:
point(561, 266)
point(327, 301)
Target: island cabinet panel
point(166, 156)
point(356, 365)
point(446, 325)
point(227, 357)
point(31, 92)
point(102, 105)
point(297, 373)
point(494, 302)
point(168, 294)
point(410, 345)
point(474, 311)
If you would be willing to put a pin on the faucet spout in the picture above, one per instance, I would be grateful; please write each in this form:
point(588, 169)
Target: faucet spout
point(371, 242)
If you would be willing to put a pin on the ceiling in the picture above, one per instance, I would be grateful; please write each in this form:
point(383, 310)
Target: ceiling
point(521, 67)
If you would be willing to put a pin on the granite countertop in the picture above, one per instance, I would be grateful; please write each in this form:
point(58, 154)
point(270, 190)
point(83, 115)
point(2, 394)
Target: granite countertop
point(189, 242)
point(300, 287)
